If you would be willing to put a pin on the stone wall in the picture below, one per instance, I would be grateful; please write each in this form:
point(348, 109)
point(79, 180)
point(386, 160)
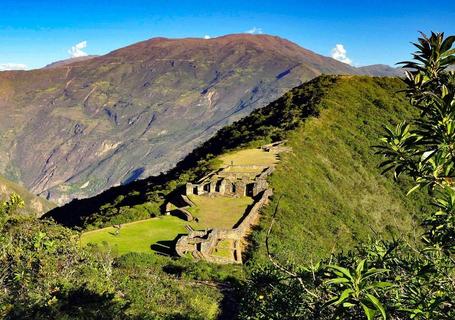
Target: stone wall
point(203, 244)
point(206, 241)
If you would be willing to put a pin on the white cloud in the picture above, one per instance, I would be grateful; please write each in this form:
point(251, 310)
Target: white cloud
point(76, 50)
point(12, 66)
point(207, 36)
point(339, 53)
point(254, 30)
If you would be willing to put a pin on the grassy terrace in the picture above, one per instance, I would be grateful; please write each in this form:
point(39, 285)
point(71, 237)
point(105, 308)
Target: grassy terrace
point(141, 236)
point(157, 234)
point(218, 212)
point(249, 157)
point(224, 248)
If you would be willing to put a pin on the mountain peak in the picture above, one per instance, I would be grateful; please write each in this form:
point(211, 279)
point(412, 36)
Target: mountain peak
point(86, 125)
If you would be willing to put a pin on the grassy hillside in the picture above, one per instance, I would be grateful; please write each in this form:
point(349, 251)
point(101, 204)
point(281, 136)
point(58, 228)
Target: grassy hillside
point(33, 204)
point(332, 193)
point(143, 199)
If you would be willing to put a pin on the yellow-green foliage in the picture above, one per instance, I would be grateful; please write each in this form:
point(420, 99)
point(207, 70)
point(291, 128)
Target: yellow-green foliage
point(137, 236)
point(333, 195)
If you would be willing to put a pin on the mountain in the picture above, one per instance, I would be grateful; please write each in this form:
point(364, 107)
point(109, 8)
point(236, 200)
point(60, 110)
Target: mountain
point(381, 70)
point(66, 62)
point(328, 189)
point(74, 130)
point(33, 204)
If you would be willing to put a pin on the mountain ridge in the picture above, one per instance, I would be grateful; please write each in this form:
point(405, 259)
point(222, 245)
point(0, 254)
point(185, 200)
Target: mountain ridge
point(76, 130)
point(329, 123)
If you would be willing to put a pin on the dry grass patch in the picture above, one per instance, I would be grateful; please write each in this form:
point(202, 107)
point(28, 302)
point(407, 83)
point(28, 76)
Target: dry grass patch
point(249, 157)
point(218, 212)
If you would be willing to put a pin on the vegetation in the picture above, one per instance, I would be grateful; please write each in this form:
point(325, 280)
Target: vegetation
point(218, 212)
point(45, 274)
point(386, 279)
point(32, 204)
point(156, 234)
point(331, 193)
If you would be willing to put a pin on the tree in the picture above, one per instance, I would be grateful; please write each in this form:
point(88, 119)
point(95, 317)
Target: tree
point(425, 148)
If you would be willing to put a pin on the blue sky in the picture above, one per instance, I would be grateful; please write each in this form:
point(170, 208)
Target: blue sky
point(35, 33)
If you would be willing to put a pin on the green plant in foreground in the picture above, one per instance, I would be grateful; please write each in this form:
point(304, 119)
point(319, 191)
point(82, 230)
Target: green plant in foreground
point(425, 148)
point(356, 288)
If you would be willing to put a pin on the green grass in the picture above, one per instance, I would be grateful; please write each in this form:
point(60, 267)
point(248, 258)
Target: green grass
point(218, 212)
point(138, 236)
point(224, 248)
point(333, 193)
point(249, 157)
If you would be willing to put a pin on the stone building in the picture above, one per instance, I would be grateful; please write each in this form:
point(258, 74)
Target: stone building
point(233, 181)
point(226, 245)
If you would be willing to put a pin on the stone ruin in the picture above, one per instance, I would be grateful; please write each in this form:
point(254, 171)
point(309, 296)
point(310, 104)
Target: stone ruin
point(203, 245)
point(230, 181)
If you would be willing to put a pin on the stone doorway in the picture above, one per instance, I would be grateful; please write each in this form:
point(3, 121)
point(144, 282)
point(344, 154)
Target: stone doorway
point(218, 186)
point(249, 191)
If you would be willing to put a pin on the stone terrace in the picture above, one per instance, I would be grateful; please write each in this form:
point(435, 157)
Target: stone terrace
point(220, 245)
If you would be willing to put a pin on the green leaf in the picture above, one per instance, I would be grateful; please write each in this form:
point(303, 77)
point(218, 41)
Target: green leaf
point(348, 305)
point(448, 53)
point(344, 295)
point(380, 284)
point(337, 280)
point(377, 304)
point(447, 43)
point(368, 312)
point(360, 267)
point(444, 91)
point(344, 271)
point(413, 189)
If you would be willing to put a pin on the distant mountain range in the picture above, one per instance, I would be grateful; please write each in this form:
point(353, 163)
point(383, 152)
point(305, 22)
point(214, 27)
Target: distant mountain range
point(381, 70)
point(78, 127)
